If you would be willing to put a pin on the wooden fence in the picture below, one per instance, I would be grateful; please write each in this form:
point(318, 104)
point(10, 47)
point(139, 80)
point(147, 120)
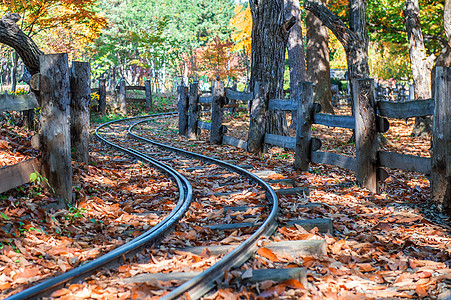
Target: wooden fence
point(18, 174)
point(122, 91)
point(370, 118)
point(64, 96)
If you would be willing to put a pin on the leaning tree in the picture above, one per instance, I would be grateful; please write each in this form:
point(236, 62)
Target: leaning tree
point(13, 36)
point(353, 38)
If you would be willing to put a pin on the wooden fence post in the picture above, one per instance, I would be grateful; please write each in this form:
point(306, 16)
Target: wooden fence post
point(257, 125)
point(80, 79)
point(217, 112)
point(182, 92)
point(304, 97)
point(122, 97)
point(365, 133)
point(54, 135)
point(441, 141)
point(148, 90)
point(193, 110)
point(102, 96)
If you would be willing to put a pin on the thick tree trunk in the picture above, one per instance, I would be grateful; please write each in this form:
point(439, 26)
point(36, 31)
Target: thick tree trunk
point(420, 64)
point(355, 42)
point(11, 35)
point(318, 67)
point(444, 59)
point(295, 47)
point(269, 39)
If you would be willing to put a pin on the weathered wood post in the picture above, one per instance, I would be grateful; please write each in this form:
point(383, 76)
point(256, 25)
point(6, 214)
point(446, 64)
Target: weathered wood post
point(304, 97)
point(233, 109)
point(257, 125)
point(54, 97)
point(365, 133)
point(102, 96)
point(193, 110)
point(28, 118)
point(122, 97)
point(217, 112)
point(182, 94)
point(80, 87)
point(148, 90)
point(441, 141)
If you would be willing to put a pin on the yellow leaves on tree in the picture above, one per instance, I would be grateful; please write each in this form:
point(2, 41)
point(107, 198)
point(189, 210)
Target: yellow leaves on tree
point(61, 25)
point(242, 24)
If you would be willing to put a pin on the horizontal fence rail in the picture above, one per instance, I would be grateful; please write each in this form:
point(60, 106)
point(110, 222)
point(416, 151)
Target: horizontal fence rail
point(407, 109)
point(10, 102)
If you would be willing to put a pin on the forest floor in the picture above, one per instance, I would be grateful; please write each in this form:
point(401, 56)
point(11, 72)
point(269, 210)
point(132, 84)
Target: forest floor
point(391, 245)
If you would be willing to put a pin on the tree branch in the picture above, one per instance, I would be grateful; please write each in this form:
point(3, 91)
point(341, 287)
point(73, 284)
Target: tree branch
point(11, 35)
point(345, 35)
point(286, 26)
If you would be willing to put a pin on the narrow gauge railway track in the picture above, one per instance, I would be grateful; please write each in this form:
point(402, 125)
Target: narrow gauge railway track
point(208, 174)
point(128, 250)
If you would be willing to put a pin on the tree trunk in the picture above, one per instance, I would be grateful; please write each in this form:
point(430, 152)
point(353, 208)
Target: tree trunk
point(11, 35)
point(80, 87)
point(14, 72)
point(420, 64)
point(295, 46)
point(444, 59)
point(318, 67)
point(354, 40)
point(269, 39)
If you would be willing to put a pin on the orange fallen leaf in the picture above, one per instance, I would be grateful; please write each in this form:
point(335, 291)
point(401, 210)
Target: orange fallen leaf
point(4, 144)
point(422, 290)
point(294, 284)
point(205, 253)
point(266, 253)
point(366, 267)
point(123, 269)
point(4, 286)
point(59, 293)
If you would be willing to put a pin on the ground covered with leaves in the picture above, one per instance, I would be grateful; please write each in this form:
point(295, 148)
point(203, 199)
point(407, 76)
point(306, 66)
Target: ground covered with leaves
point(110, 195)
point(391, 245)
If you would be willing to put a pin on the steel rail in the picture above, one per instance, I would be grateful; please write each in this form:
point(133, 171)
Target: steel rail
point(147, 239)
point(202, 283)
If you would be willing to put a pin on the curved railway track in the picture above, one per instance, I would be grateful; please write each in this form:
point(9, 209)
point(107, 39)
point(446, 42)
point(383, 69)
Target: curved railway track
point(207, 175)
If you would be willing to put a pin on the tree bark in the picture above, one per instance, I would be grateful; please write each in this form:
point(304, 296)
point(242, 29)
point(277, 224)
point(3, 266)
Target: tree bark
point(80, 87)
point(354, 39)
point(444, 59)
point(295, 45)
point(420, 64)
point(269, 39)
point(318, 67)
point(11, 35)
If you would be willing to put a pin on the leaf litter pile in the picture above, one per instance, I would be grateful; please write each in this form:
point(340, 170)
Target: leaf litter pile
point(392, 245)
point(117, 199)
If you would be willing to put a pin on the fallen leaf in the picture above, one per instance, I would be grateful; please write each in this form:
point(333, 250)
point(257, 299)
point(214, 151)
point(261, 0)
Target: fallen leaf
point(266, 253)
